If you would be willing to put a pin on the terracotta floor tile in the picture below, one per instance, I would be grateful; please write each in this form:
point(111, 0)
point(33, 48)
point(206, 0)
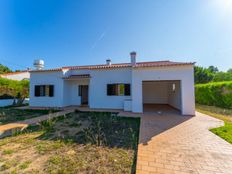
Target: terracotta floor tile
point(173, 143)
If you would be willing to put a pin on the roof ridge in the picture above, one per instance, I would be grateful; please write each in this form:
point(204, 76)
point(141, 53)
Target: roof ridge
point(128, 63)
point(94, 65)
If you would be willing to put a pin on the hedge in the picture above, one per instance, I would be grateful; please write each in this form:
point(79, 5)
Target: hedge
point(214, 94)
point(13, 89)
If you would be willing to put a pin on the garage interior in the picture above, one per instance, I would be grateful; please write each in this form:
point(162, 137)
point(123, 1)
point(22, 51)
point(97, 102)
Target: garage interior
point(161, 97)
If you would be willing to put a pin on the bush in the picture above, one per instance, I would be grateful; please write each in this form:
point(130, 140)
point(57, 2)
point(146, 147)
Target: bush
point(14, 89)
point(214, 94)
point(6, 96)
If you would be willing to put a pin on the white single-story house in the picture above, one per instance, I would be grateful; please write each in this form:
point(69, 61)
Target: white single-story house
point(127, 86)
point(20, 75)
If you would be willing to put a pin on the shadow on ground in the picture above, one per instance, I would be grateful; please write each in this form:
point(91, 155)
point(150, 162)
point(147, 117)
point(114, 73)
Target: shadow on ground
point(100, 129)
point(157, 119)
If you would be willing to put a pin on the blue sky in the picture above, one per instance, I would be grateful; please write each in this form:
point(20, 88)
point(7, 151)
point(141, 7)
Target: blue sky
point(80, 32)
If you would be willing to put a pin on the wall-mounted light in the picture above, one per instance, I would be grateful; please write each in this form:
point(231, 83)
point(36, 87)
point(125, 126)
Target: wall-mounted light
point(173, 87)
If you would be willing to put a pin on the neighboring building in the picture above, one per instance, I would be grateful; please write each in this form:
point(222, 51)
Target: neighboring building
point(127, 86)
point(21, 75)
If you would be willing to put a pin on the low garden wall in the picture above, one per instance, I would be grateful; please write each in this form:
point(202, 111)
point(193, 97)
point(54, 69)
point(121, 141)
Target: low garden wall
point(8, 102)
point(214, 94)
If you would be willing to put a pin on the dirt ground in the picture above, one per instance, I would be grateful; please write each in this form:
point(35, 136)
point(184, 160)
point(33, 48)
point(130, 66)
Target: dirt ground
point(60, 146)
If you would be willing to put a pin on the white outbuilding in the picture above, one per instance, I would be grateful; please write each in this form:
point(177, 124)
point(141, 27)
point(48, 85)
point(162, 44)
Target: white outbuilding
point(20, 75)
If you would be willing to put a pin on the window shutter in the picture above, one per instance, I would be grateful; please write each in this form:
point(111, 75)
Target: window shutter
point(110, 89)
point(80, 90)
point(51, 90)
point(37, 91)
point(127, 90)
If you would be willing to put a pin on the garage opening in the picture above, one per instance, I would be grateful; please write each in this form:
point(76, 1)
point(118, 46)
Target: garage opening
point(162, 96)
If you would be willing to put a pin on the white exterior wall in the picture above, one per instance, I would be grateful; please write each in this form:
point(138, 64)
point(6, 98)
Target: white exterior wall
point(66, 91)
point(71, 93)
point(71, 96)
point(98, 87)
point(174, 98)
point(71, 87)
point(183, 73)
point(9, 102)
point(19, 76)
point(47, 78)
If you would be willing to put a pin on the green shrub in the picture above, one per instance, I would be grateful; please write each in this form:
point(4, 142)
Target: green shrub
point(214, 94)
point(13, 89)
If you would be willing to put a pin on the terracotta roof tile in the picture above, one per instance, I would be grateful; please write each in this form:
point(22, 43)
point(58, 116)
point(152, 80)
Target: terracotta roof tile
point(120, 65)
point(13, 73)
point(162, 63)
point(138, 64)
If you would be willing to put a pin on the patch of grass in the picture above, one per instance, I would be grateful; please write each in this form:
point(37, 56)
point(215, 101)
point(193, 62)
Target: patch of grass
point(7, 151)
point(217, 112)
point(45, 147)
point(109, 130)
point(9, 164)
point(98, 160)
point(224, 132)
point(75, 124)
point(9, 115)
point(24, 165)
point(58, 147)
point(56, 160)
point(14, 171)
point(47, 125)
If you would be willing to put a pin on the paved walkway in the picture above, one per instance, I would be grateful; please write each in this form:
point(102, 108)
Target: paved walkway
point(8, 129)
point(179, 144)
point(46, 117)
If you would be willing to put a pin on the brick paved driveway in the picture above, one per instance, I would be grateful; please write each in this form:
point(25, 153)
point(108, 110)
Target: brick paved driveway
point(178, 144)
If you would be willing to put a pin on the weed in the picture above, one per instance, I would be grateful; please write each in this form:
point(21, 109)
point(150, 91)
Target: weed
point(24, 165)
point(47, 125)
point(7, 151)
point(47, 146)
point(14, 171)
point(103, 143)
point(56, 160)
point(8, 164)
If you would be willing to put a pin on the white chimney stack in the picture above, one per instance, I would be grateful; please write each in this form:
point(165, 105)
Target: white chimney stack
point(108, 62)
point(133, 58)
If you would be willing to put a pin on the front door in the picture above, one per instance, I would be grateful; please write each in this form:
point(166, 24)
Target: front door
point(84, 90)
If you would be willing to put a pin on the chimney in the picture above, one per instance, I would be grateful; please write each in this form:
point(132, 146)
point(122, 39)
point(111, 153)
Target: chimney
point(108, 62)
point(133, 58)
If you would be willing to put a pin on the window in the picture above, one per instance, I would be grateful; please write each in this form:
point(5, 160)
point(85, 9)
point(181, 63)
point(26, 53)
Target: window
point(118, 89)
point(44, 90)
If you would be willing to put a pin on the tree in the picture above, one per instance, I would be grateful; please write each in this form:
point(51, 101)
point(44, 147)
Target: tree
point(222, 76)
point(213, 69)
point(14, 89)
point(4, 69)
point(229, 71)
point(202, 75)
